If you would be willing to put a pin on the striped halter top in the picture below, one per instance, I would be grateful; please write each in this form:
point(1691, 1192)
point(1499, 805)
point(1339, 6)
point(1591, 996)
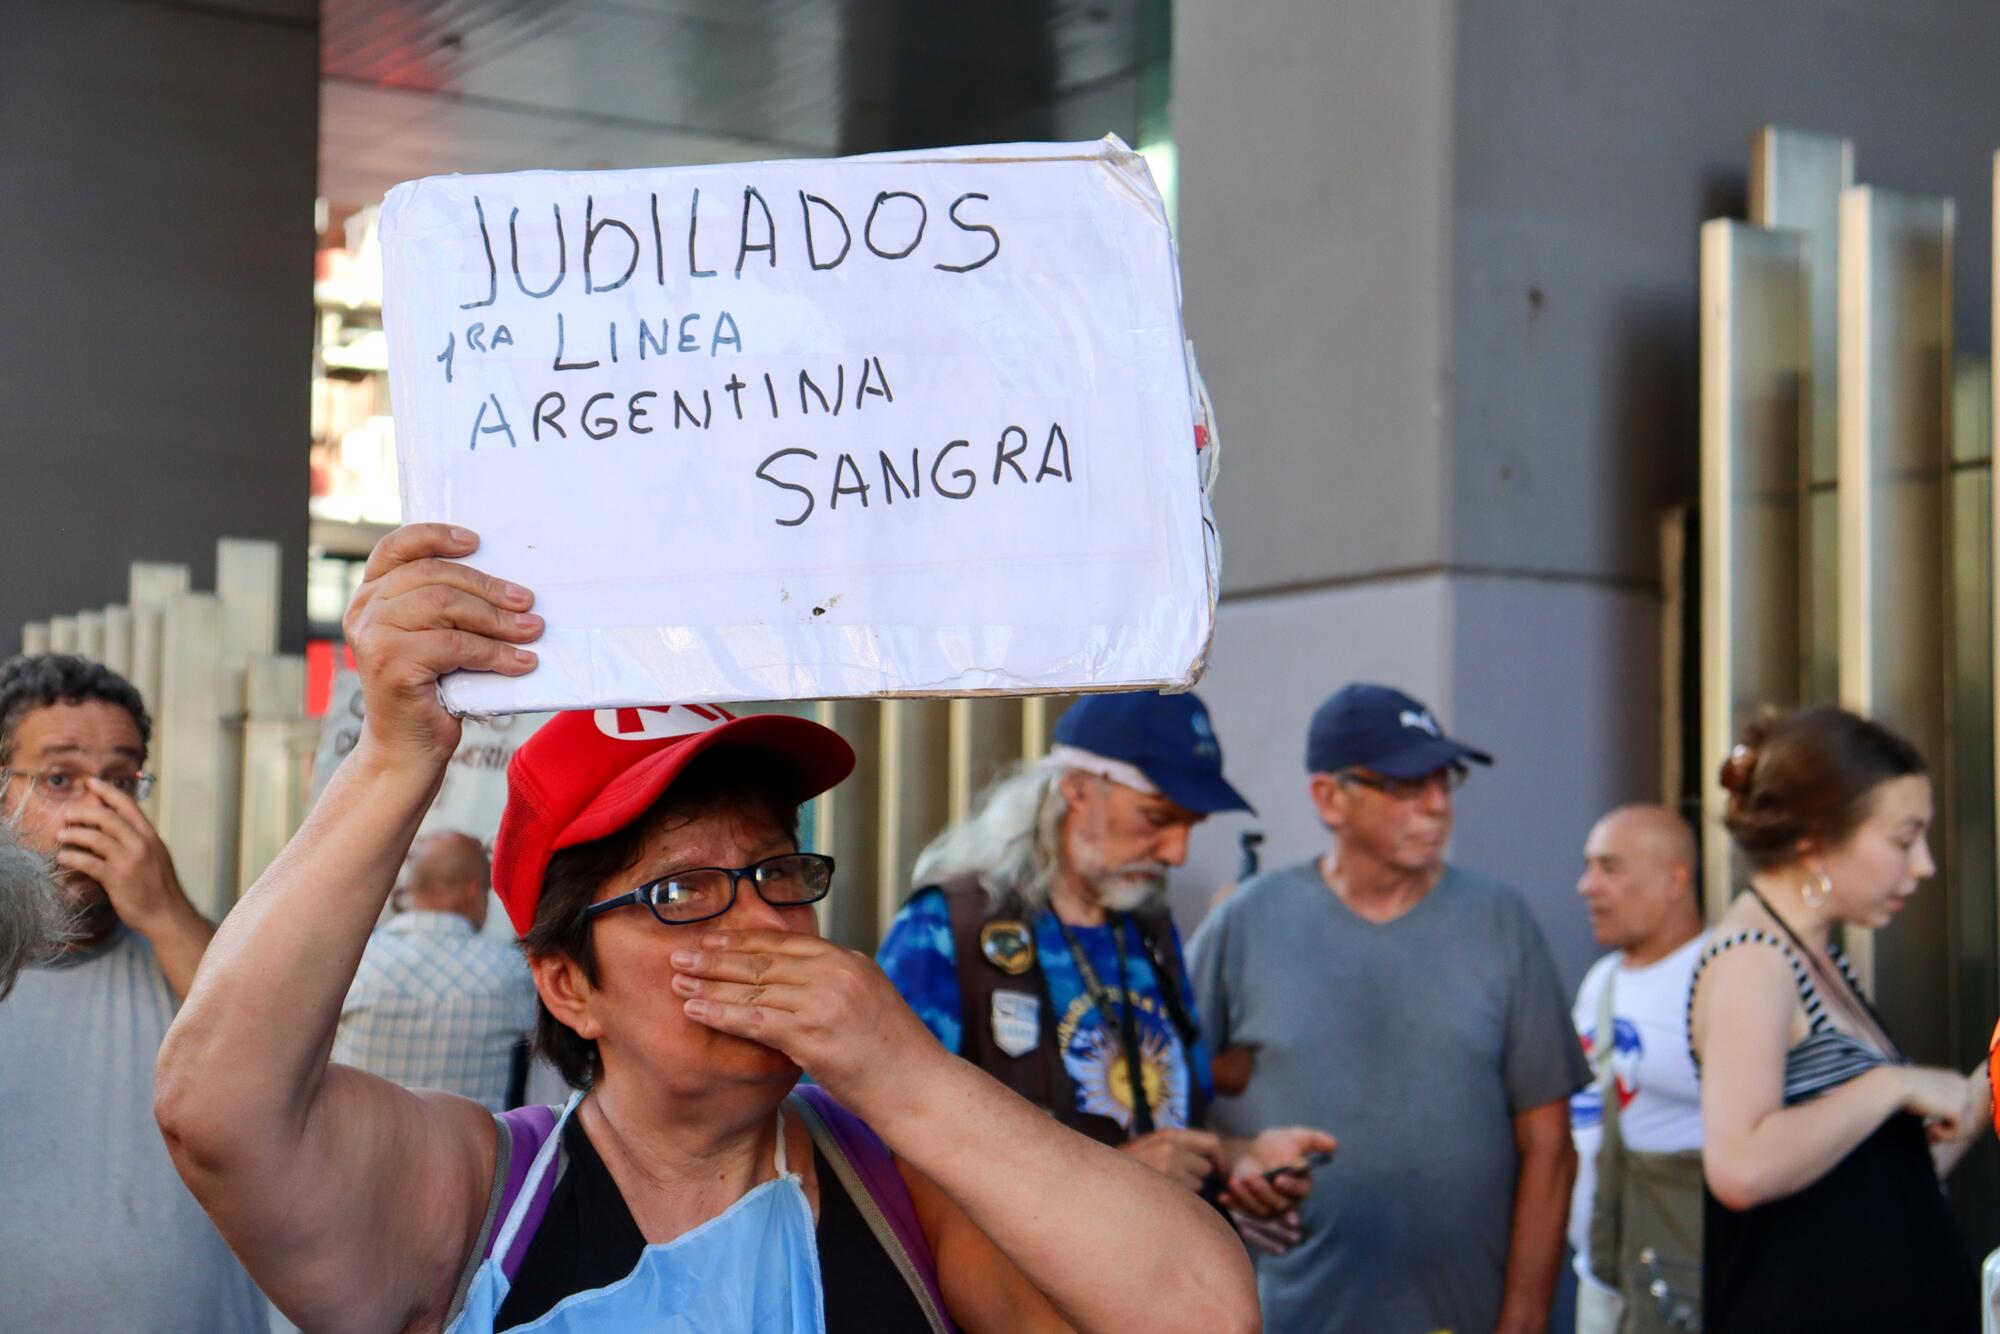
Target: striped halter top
point(1826, 1057)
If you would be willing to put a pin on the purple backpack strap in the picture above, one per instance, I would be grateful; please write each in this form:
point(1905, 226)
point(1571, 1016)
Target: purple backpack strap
point(875, 1169)
point(528, 1130)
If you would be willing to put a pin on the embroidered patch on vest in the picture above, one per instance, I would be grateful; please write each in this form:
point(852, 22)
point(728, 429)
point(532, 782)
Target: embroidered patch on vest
point(1017, 1022)
point(1008, 946)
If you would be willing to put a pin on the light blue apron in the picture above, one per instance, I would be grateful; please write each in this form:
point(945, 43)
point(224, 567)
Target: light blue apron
point(752, 1269)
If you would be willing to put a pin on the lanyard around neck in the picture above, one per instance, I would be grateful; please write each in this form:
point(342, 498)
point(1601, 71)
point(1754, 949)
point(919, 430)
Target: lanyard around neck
point(1128, 1029)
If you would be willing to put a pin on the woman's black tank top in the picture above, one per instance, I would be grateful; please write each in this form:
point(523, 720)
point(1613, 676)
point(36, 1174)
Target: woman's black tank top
point(1870, 1246)
point(588, 1240)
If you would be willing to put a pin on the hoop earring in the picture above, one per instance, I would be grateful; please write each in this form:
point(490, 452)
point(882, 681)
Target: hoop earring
point(1818, 881)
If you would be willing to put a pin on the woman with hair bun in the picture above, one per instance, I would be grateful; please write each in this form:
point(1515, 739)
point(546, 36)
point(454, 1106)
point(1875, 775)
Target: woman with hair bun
point(1824, 1147)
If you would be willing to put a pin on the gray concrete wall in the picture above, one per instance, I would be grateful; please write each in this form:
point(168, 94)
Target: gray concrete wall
point(157, 162)
point(1559, 680)
point(1590, 142)
point(1316, 208)
point(1314, 145)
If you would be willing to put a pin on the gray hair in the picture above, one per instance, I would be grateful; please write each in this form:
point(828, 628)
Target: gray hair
point(36, 919)
point(1010, 842)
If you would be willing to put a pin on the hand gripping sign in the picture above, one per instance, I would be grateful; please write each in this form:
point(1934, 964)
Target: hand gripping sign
point(895, 425)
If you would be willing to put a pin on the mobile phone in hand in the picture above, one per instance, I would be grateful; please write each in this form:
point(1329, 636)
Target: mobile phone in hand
point(1313, 1161)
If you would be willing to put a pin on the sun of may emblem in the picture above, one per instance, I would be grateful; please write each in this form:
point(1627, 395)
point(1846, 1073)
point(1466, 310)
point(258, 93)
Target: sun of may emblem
point(1095, 1061)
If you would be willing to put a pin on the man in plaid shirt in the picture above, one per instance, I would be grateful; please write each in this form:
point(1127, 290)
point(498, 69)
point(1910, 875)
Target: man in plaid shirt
point(434, 1003)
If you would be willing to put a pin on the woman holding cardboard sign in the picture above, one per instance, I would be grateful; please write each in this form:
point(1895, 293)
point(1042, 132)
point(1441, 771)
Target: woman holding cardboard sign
point(649, 857)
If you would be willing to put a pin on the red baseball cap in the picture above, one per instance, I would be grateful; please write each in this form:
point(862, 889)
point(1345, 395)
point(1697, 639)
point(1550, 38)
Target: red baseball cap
point(589, 773)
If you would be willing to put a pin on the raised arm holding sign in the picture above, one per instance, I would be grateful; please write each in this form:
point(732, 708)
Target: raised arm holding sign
point(875, 426)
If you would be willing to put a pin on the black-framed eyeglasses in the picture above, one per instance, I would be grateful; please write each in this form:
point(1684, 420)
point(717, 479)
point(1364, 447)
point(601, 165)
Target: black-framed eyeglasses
point(790, 880)
point(1451, 778)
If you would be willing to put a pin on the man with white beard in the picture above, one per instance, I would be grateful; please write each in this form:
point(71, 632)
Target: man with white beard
point(1038, 946)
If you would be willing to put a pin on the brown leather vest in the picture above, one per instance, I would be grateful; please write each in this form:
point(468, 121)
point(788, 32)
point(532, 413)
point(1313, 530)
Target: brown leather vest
point(1039, 1075)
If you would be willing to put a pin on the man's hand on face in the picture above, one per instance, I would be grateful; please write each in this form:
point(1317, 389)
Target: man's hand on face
point(111, 841)
point(1188, 1156)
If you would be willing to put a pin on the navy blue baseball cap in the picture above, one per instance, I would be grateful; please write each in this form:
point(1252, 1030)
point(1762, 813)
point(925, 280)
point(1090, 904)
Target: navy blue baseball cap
point(1379, 728)
point(1167, 738)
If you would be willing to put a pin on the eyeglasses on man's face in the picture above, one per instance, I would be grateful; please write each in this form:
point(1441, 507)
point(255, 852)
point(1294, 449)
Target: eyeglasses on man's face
point(59, 785)
point(1448, 780)
point(790, 880)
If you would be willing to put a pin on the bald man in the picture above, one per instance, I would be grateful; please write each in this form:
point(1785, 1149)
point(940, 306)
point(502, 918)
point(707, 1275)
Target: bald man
point(1640, 888)
point(434, 1003)
point(446, 871)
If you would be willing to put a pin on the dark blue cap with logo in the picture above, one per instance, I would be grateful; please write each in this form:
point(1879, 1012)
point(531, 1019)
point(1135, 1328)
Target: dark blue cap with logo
point(1168, 738)
point(1383, 730)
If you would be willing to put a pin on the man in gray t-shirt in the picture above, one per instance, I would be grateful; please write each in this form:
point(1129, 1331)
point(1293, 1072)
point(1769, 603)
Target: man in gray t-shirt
point(1411, 1007)
point(96, 1230)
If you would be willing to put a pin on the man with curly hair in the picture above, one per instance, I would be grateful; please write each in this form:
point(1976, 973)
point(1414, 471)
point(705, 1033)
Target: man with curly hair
point(98, 1231)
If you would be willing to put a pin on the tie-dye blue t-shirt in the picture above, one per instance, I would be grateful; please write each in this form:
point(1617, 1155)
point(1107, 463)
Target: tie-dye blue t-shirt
point(919, 957)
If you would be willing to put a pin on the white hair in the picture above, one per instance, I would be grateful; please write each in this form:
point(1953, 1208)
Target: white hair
point(36, 918)
point(1010, 842)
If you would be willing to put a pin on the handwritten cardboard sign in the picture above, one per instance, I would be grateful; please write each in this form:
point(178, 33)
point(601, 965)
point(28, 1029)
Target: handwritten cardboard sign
point(896, 425)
